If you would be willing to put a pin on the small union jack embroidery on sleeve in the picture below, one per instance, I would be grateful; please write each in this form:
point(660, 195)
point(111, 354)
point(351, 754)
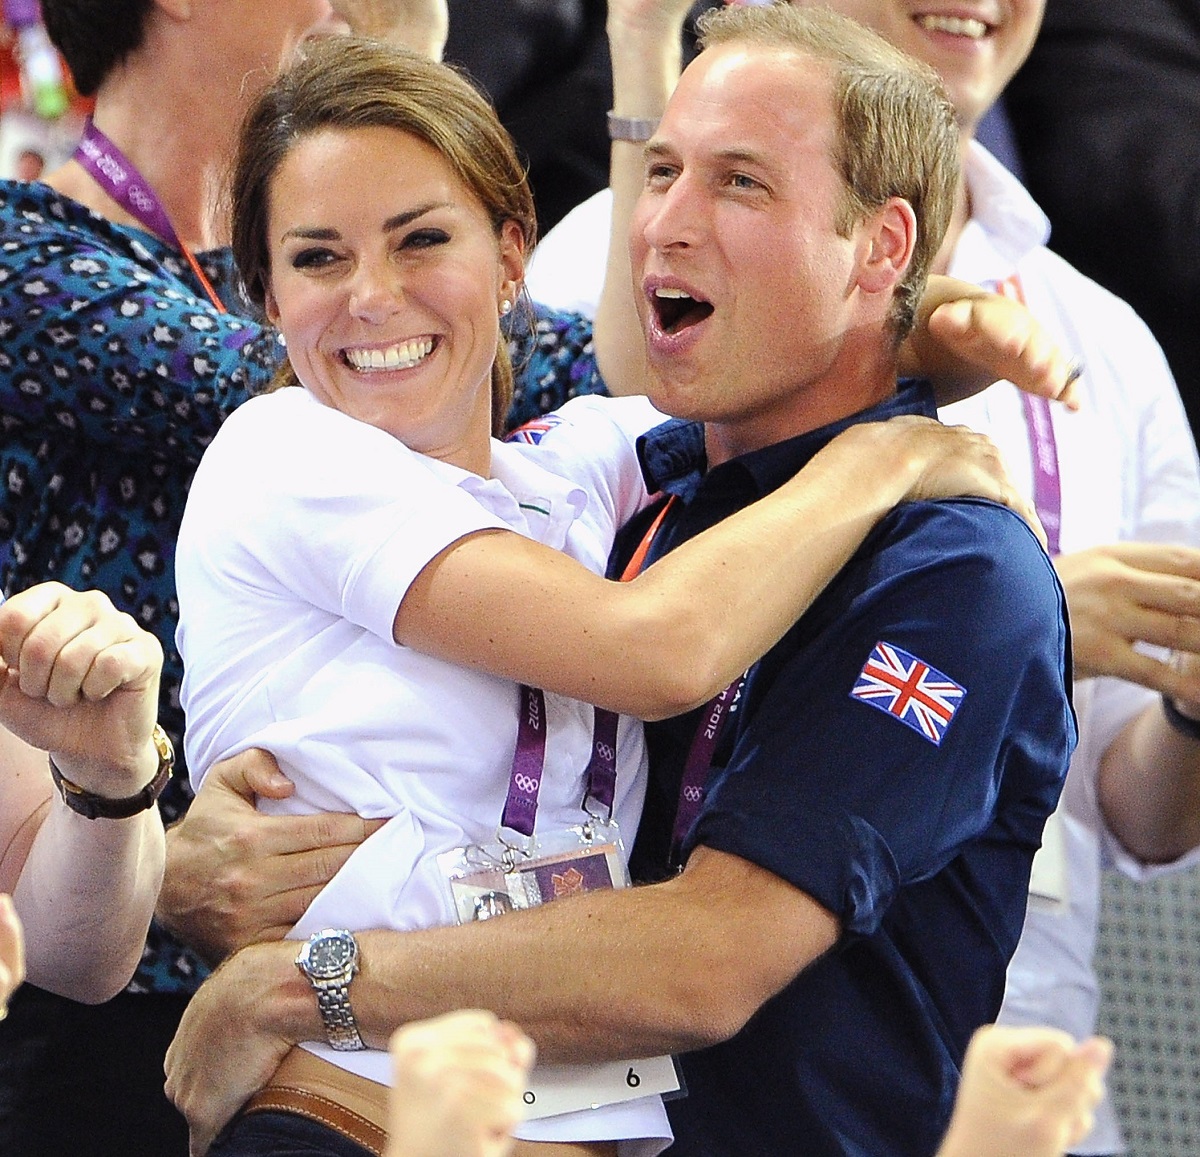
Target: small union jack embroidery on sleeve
point(534, 431)
point(909, 689)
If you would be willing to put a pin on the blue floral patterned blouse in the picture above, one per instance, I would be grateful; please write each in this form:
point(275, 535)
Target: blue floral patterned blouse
point(115, 373)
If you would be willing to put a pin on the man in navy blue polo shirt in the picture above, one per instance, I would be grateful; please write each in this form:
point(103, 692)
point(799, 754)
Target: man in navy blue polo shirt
point(857, 818)
point(884, 774)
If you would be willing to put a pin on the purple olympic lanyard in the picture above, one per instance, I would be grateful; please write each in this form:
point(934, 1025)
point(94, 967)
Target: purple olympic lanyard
point(1047, 486)
point(712, 721)
point(717, 712)
point(529, 762)
point(118, 176)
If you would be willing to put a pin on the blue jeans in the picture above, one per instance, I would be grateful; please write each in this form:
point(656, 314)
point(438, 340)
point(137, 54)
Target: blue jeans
point(282, 1135)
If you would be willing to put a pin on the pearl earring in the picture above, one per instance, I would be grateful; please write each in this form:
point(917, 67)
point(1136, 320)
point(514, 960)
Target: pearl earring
point(505, 307)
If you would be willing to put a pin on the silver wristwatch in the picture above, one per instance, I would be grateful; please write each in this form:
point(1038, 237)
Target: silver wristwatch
point(330, 959)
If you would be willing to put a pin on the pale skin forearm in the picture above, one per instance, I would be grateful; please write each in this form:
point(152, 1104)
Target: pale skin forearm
point(645, 45)
point(712, 606)
point(78, 883)
point(1149, 787)
point(86, 897)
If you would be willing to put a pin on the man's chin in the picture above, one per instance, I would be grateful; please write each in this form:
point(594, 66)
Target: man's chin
point(675, 399)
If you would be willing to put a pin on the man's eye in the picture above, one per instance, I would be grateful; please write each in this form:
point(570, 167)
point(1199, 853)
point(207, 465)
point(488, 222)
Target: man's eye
point(741, 181)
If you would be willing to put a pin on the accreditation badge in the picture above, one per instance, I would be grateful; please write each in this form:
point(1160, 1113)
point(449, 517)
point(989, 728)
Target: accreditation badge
point(487, 880)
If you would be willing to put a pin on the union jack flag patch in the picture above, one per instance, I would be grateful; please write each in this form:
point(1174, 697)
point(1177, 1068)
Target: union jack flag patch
point(906, 687)
point(533, 432)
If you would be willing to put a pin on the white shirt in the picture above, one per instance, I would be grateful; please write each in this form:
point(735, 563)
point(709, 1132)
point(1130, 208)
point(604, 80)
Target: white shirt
point(566, 270)
point(303, 530)
point(1128, 472)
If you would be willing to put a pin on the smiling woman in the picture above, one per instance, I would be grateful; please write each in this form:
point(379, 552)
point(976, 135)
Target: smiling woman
point(357, 550)
point(436, 212)
point(392, 315)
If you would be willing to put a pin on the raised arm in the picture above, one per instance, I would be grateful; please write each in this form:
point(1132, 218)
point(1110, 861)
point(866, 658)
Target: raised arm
point(79, 681)
point(421, 25)
point(759, 569)
point(645, 40)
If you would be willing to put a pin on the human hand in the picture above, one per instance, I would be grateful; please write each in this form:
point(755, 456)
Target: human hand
point(647, 17)
point(227, 1046)
point(1132, 592)
point(12, 953)
point(939, 461)
point(1031, 1091)
point(1004, 341)
point(457, 1086)
point(79, 679)
point(235, 876)
point(421, 25)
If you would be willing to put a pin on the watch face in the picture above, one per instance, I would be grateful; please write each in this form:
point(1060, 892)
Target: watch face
point(330, 954)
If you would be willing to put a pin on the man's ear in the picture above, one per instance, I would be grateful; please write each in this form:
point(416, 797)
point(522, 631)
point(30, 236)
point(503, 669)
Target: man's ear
point(889, 237)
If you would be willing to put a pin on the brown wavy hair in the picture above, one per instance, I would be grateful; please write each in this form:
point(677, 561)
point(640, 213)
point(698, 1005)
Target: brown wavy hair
point(350, 83)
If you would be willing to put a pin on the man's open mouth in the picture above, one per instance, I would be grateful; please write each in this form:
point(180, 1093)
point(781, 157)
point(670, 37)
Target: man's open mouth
point(677, 310)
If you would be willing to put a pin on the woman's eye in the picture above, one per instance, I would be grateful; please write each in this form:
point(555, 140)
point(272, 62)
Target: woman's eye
point(425, 239)
point(313, 258)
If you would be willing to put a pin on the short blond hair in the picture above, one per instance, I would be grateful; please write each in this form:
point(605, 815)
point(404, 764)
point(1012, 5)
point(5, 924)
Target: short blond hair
point(896, 133)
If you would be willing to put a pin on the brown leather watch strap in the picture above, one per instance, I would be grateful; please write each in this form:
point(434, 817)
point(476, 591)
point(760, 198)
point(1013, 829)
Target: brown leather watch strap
point(99, 807)
point(314, 1107)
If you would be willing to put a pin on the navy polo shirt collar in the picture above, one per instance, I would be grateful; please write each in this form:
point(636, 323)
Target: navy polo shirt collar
point(673, 458)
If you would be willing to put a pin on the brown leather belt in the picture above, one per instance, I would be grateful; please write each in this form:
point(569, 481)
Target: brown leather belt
point(310, 1087)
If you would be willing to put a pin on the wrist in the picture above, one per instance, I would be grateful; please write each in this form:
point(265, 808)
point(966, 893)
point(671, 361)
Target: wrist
point(116, 792)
